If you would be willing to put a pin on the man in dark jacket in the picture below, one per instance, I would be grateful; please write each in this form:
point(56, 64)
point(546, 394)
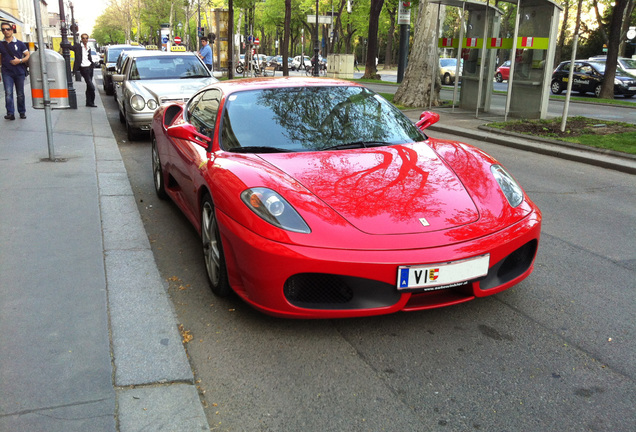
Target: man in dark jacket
point(15, 57)
point(84, 64)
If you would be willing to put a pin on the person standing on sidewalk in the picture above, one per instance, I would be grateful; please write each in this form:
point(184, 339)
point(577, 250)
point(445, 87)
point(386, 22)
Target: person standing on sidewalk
point(14, 55)
point(84, 64)
point(205, 53)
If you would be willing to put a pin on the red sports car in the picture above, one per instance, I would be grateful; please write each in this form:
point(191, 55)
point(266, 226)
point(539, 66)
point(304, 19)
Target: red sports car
point(503, 72)
point(317, 198)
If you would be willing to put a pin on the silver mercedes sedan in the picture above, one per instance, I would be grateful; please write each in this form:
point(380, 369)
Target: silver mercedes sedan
point(151, 78)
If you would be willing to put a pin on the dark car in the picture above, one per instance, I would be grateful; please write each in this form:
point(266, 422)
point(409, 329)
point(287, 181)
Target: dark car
point(277, 62)
point(588, 77)
point(111, 53)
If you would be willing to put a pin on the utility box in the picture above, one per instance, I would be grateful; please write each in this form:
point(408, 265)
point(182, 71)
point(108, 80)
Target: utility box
point(340, 66)
point(56, 73)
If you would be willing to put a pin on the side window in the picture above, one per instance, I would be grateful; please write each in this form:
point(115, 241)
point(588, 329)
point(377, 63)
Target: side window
point(203, 111)
point(587, 70)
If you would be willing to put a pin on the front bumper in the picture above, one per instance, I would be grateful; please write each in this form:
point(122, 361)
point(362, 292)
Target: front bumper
point(308, 282)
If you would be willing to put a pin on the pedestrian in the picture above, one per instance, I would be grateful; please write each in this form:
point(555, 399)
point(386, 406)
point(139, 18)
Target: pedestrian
point(15, 56)
point(84, 64)
point(205, 53)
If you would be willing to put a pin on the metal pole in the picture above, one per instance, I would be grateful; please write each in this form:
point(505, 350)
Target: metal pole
point(316, 45)
point(72, 97)
point(462, 21)
point(45, 82)
point(483, 60)
point(78, 76)
point(513, 58)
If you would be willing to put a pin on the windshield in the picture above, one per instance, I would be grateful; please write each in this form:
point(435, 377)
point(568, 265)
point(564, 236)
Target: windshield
point(312, 118)
point(168, 67)
point(627, 63)
point(448, 62)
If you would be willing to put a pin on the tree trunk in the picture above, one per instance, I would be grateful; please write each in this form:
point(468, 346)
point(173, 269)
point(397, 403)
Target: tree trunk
point(388, 52)
point(371, 70)
point(629, 9)
point(607, 89)
point(286, 32)
point(423, 67)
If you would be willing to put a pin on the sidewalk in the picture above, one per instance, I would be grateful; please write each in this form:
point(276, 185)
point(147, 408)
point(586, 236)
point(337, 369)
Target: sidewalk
point(88, 336)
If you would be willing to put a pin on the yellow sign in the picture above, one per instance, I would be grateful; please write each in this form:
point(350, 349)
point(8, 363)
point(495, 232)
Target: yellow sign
point(177, 48)
point(151, 47)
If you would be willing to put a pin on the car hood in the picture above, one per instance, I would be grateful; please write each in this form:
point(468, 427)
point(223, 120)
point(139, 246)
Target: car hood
point(169, 90)
point(400, 189)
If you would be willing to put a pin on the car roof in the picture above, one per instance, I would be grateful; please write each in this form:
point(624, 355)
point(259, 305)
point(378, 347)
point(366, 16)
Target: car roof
point(124, 46)
point(232, 86)
point(156, 53)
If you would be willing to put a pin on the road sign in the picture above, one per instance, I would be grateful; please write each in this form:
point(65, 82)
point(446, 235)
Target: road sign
point(631, 33)
point(177, 40)
point(257, 41)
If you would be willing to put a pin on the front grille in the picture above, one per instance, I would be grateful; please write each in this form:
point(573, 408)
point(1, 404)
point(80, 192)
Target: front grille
point(172, 100)
point(512, 266)
point(330, 291)
point(317, 288)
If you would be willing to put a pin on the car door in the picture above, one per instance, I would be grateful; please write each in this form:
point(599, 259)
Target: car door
point(119, 87)
point(189, 157)
point(586, 77)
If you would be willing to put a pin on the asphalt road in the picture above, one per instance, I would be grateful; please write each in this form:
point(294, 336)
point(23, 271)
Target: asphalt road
point(555, 352)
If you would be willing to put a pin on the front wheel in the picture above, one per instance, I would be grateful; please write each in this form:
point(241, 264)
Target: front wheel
point(213, 250)
point(240, 69)
point(498, 77)
point(556, 87)
point(597, 90)
point(157, 172)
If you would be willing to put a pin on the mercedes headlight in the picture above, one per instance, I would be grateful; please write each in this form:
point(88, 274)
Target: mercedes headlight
point(619, 82)
point(508, 185)
point(274, 209)
point(137, 102)
point(152, 104)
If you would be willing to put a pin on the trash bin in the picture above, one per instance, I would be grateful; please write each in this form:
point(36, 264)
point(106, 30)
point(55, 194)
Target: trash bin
point(56, 72)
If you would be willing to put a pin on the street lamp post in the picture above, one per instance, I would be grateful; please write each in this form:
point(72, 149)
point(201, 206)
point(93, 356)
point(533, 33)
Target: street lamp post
point(78, 76)
point(72, 97)
point(316, 45)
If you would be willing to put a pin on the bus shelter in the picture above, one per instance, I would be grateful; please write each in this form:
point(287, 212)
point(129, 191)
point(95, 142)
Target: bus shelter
point(532, 54)
point(478, 20)
point(531, 65)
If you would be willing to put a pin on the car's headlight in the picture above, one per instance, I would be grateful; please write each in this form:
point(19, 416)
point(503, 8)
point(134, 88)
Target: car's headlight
point(152, 104)
point(137, 102)
point(619, 82)
point(273, 208)
point(508, 185)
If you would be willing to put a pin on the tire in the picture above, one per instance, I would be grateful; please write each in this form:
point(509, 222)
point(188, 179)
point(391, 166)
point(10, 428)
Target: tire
point(447, 79)
point(597, 90)
point(556, 87)
point(240, 69)
point(498, 77)
point(213, 250)
point(131, 132)
point(157, 172)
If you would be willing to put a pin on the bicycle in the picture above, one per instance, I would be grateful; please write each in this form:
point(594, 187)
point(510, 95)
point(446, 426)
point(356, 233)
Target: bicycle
point(322, 69)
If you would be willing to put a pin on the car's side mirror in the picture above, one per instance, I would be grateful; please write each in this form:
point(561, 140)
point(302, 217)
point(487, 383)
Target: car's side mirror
point(427, 118)
point(188, 132)
point(118, 78)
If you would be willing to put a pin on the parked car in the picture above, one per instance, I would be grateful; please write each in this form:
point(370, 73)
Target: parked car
point(503, 72)
point(300, 61)
point(151, 78)
point(317, 198)
point(447, 70)
point(111, 53)
point(588, 77)
point(627, 64)
point(277, 62)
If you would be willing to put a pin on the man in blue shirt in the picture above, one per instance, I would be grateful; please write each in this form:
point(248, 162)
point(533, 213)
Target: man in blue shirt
point(15, 56)
point(205, 53)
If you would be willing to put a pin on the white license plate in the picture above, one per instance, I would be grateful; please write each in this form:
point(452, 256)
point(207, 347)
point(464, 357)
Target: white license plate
point(631, 88)
point(442, 275)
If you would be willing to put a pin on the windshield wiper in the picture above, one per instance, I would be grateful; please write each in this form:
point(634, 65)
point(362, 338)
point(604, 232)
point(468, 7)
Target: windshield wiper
point(259, 149)
point(358, 144)
point(195, 76)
